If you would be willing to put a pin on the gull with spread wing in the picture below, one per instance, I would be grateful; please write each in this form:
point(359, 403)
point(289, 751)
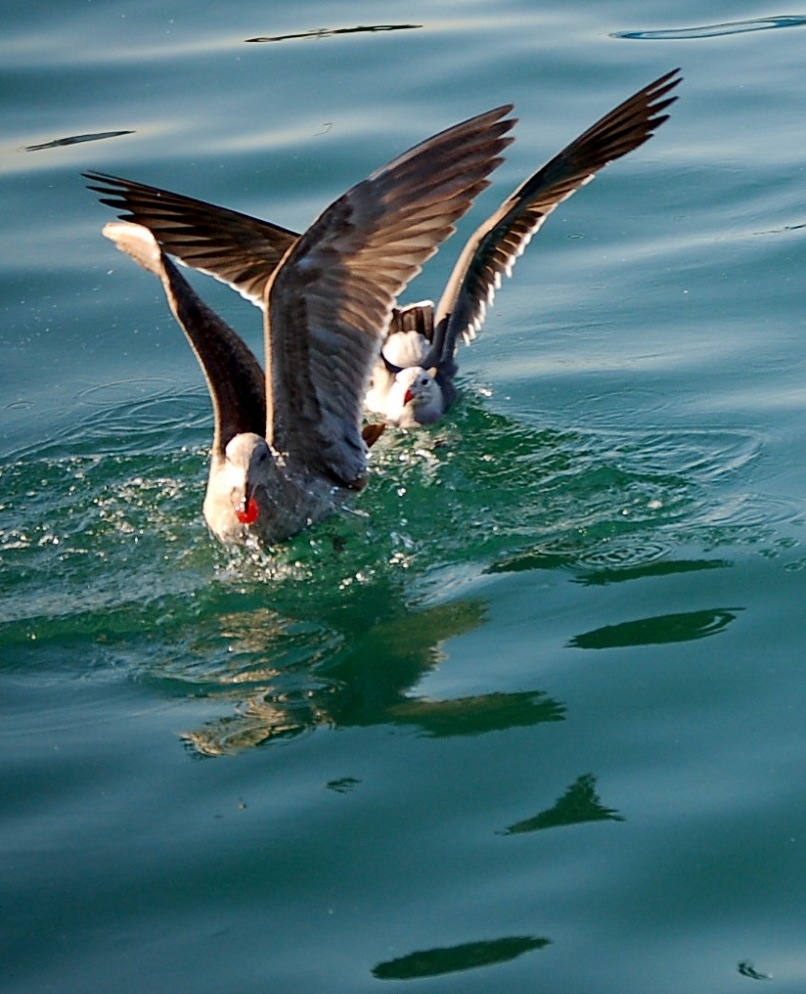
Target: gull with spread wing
point(288, 446)
point(412, 381)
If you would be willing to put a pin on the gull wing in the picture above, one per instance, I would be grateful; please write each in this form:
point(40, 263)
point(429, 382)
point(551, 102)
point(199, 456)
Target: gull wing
point(235, 248)
point(234, 376)
point(330, 301)
point(492, 250)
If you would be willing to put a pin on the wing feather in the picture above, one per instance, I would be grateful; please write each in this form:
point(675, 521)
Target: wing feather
point(331, 300)
point(233, 374)
point(235, 248)
point(492, 250)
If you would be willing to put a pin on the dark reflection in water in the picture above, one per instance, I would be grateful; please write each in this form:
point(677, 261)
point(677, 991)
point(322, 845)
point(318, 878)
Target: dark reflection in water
point(330, 32)
point(666, 568)
point(452, 959)
point(659, 630)
point(77, 140)
point(478, 714)
point(343, 785)
point(580, 803)
point(622, 563)
point(746, 969)
point(329, 674)
point(715, 30)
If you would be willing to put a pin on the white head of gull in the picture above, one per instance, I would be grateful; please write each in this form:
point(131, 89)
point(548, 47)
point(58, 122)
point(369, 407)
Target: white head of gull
point(244, 251)
point(288, 447)
point(414, 398)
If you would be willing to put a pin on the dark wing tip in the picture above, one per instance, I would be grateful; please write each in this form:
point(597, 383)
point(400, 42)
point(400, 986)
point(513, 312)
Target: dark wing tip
point(660, 87)
point(109, 183)
point(112, 191)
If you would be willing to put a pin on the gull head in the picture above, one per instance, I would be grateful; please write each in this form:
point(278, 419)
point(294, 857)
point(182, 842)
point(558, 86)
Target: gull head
point(420, 397)
point(247, 463)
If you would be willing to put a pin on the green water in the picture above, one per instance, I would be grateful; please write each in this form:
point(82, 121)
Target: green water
point(528, 716)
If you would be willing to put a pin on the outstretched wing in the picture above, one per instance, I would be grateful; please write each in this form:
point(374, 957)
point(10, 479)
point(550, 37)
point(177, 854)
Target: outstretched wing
point(492, 250)
point(234, 248)
point(331, 300)
point(234, 377)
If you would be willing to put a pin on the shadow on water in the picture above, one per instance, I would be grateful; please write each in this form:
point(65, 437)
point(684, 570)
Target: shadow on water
point(339, 627)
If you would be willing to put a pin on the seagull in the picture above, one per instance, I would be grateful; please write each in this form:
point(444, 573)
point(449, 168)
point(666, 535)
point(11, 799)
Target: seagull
point(419, 340)
point(288, 447)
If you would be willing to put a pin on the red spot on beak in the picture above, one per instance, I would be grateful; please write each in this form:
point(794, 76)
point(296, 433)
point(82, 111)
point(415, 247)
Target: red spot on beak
point(248, 516)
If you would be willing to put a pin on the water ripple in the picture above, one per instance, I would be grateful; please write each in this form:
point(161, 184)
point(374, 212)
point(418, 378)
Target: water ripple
point(516, 499)
point(150, 414)
point(714, 30)
point(77, 140)
point(331, 32)
point(115, 524)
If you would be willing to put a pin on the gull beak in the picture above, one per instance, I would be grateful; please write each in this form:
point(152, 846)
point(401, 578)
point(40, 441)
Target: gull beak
point(247, 510)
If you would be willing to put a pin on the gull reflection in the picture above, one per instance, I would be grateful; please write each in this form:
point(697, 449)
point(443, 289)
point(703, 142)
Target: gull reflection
point(658, 630)
point(452, 959)
point(345, 669)
point(580, 803)
point(747, 969)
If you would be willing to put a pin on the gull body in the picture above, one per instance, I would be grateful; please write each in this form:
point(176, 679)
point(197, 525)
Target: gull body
point(244, 251)
point(252, 489)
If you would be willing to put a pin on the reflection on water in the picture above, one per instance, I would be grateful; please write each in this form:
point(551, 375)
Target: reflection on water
point(672, 567)
point(659, 630)
point(622, 560)
point(346, 670)
point(580, 803)
point(349, 667)
point(331, 32)
point(483, 713)
point(343, 785)
point(715, 30)
point(746, 969)
point(77, 140)
point(452, 959)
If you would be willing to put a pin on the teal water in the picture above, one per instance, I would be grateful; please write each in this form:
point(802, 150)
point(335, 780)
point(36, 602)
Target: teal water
point(529, 717)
